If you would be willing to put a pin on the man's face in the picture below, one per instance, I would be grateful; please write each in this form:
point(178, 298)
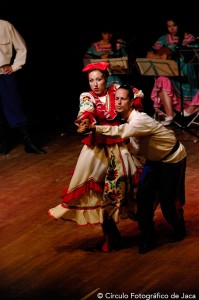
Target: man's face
point(122, 102)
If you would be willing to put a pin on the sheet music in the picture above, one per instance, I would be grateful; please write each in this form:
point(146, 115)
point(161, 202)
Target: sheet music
point(157, 67)
point(118, 65)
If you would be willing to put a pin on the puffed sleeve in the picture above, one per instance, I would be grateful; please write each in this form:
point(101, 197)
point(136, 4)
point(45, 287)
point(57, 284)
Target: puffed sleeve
point(86, 108)
point(138, 96)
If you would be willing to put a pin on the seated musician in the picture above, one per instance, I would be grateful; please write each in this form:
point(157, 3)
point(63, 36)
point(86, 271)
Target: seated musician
point(167, 91)
point(107, 47)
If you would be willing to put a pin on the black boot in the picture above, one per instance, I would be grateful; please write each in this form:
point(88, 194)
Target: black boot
point(29, 146)
point(5, 146)
point(112, 237)
point(179, 233)
point(147, 241)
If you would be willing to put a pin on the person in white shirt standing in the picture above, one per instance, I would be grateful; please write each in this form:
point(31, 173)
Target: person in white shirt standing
point(13, 54)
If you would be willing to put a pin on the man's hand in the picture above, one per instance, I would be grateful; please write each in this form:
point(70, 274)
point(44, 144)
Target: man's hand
point(7, 69)
point(85, 127)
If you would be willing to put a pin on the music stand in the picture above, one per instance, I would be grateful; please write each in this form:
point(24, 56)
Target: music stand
point(118, 65)
point(190, 56)
point(157, 67)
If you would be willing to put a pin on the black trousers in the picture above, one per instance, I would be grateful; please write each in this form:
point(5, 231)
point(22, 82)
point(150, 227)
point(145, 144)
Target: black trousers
point(10, 100)
point(167, 182)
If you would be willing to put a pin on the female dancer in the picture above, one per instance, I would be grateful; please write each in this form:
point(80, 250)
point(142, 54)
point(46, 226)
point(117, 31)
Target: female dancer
point(101, 185)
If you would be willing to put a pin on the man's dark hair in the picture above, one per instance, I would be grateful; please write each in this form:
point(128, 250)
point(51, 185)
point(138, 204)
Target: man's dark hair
point(129, 88)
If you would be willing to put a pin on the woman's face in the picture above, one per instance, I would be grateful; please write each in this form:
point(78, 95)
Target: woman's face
point(97, 82)
point(172, 28)
point(106, 36)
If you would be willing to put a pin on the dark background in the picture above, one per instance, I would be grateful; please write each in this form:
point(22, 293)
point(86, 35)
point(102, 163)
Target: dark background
point(57, 37)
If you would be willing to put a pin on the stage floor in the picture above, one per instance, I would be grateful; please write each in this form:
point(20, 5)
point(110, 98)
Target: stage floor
point(46, 259)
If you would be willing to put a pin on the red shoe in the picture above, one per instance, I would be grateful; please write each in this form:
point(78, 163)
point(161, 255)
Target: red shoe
point(109, 244)
point(106, 245)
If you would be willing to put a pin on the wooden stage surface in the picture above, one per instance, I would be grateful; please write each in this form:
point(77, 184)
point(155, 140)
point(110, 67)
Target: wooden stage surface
point(46, 259)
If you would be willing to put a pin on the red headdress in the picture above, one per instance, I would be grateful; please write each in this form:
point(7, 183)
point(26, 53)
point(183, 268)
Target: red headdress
point(96, 66)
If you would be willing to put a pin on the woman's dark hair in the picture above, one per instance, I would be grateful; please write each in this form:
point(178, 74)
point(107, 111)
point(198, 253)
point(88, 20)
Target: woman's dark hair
point(105, 73)
point(181, 27)
point(109, 29)
point(128, 88)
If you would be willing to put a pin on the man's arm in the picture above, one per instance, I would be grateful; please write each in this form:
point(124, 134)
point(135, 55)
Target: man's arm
point(20, 47)
point(121, 131)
